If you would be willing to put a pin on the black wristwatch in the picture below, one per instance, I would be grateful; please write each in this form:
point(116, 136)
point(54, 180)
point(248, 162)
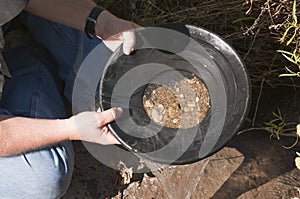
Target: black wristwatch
point(91, 22)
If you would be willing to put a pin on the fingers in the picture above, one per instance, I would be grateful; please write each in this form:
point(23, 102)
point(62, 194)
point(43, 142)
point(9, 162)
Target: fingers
point(129, 38)
point(108, 116)
point(111, 28)
point(110, 138)
point(112, 45)
point(129, 41)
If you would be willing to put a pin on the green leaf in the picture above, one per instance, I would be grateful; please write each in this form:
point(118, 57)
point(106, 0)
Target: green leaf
point(289, 58)
point(285, 34)
point(292, 38)
point(287, 75)
point(285, 52)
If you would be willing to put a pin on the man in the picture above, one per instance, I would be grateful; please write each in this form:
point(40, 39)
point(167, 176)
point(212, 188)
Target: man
point(36, 155)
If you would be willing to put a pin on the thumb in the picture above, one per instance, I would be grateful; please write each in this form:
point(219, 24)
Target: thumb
point(129, 38)
point(129, 41)
point(108, 116)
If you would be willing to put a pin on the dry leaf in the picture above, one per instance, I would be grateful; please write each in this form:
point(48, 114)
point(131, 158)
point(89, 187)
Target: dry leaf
point(297, 161)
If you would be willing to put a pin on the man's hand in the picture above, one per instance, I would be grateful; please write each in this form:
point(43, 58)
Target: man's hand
point(91, 126)
point(114, 31)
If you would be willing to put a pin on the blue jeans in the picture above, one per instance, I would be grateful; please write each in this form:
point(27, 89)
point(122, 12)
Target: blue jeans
point(69, 47)
point(36, 90)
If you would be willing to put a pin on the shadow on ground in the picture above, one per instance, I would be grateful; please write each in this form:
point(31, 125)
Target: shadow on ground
point(251, 165)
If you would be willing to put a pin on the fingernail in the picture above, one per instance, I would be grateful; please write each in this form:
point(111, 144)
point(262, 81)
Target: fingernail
point(117, 142)
point(132, 49)
point(126, 52)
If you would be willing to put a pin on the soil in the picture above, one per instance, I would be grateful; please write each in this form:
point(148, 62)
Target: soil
point(181, 104)
point(251, 165)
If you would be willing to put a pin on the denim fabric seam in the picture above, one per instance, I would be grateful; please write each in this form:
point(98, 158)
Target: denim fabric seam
point(64, 36)
point(35, 95)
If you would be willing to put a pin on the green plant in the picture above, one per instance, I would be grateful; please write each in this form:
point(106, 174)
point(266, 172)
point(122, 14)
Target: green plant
point(277, 125)
point(291, 73)
point(290, 25)
point(293, 57)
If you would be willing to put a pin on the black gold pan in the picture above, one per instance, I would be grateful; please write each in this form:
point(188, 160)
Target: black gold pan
point(165, 55)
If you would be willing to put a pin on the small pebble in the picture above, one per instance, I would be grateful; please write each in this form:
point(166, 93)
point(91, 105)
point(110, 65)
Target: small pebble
point(175, 120)
point(160, 107)
point(191, 105)
point(156, 116)
point(149, 103)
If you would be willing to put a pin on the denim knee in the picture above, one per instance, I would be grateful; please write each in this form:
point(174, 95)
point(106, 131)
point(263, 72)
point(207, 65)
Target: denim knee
point(39, 174)
point(43, 173)
point(33, 91)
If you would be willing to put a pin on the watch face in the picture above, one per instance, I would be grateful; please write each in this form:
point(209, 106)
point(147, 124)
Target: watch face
point(184, 93)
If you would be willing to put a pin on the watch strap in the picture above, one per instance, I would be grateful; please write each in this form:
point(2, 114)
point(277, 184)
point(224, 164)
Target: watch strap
point(91, 22)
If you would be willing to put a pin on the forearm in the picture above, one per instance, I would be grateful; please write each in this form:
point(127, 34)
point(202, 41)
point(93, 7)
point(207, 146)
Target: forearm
point(20, 134)
point(72, 13)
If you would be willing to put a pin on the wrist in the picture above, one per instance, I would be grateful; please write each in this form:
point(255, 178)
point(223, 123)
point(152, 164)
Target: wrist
point(100, 23)
point(71, 128)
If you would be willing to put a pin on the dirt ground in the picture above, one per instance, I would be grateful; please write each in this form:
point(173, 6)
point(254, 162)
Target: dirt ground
point(251, 165)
